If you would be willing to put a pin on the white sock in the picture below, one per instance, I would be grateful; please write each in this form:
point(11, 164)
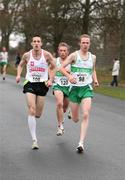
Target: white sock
point(32, 127)
point(81, 142)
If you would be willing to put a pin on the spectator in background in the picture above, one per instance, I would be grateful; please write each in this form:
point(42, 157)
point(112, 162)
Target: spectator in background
point(18, 59)
point(3, 61)
point(115, 72)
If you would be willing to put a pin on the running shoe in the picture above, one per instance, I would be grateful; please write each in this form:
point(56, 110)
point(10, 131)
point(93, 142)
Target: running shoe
point(60, 131)
point(80, 148)
point(35, 145)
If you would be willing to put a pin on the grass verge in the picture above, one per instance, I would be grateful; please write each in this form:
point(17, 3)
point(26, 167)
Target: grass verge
point(116, 92)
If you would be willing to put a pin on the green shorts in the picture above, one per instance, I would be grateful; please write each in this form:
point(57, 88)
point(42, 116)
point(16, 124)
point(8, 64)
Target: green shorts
point(3, 63)
point(78, 93)
point(64, 89)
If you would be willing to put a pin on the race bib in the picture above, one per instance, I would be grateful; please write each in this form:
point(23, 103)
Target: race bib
point(80, 78)
point(63, 81)
point(36, 78)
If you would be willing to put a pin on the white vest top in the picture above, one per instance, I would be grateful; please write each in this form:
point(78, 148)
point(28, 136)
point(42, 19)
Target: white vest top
point(37, 70)
point(82, 70)
point(60, 79)
point(4, 56)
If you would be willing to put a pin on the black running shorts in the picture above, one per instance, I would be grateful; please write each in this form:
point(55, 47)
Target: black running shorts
point(37, 88)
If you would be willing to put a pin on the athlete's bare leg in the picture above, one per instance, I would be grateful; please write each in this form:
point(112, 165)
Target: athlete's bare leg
point(4, 71)
point(39, 105)
point(59, 106)
point(86, 107)
point(31, 102)
point(74, 107)
point(65, 104)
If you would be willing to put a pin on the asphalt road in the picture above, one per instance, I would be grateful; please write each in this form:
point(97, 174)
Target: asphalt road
point(104, 157)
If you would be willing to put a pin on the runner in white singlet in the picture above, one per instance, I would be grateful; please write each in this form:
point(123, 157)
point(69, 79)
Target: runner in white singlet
point(4, 62)
point(38, 61)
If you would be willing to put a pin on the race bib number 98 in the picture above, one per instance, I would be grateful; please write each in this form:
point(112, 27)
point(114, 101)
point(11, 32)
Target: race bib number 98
point(81, 78)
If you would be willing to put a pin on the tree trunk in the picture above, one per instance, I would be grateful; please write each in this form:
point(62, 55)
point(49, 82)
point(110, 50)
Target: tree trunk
point(5, 40)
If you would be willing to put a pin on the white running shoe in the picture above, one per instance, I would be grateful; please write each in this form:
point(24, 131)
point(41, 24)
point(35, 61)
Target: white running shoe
point(80, 148)
point(60, 131)
point(35, 145)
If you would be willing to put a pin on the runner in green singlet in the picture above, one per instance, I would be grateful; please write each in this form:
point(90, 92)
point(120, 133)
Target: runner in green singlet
point(82, 75)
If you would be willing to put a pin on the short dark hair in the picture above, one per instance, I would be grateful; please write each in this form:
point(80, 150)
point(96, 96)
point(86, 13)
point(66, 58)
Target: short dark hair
point(36, 35)
point(64, 44)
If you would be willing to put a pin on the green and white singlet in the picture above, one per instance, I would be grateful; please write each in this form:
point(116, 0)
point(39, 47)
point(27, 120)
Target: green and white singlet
point(4, 57)
point(82, 70)
point(60, 79)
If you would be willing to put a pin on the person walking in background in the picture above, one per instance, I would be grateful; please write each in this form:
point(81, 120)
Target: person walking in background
point(3, 61)
point(38, 79)
point(61, 87)
point(115, 72)
point(82, 75)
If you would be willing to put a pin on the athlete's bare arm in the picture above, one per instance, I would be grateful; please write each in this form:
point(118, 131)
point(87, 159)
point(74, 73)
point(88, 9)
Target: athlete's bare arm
point(95, 80)
point(52, 67)
point(69, 60)
point(23, 62)
point(50, 59)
